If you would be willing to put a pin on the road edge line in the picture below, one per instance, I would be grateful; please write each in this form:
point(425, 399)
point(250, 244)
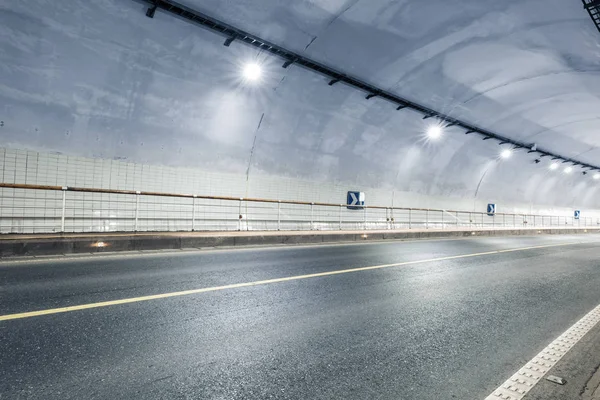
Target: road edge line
point(517, 386)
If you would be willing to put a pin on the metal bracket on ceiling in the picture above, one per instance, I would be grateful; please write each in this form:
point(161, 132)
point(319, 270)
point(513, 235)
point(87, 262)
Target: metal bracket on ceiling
point(150, 11)
point(370, 96)
point(400, 107)
point(228, 41)
point(333, 82)
point(287, 64)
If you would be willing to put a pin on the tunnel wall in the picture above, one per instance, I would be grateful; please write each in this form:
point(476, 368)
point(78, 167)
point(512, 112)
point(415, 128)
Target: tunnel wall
point(157, 104)
point(36, 211)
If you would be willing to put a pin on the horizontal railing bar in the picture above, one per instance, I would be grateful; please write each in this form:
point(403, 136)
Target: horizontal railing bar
point(230, 198)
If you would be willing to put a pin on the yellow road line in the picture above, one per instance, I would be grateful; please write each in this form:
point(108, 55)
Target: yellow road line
point(256, 283)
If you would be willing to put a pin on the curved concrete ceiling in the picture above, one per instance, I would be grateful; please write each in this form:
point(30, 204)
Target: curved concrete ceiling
point(101, 79)
point(528, 70)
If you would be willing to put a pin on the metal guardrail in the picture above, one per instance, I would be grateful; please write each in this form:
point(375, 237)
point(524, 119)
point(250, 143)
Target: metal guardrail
point(43, 209)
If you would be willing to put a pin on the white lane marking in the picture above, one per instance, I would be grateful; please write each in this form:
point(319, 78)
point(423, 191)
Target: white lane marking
point(518, 385)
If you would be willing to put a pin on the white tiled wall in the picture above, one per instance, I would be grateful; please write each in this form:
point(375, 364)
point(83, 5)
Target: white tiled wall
point(24, 211)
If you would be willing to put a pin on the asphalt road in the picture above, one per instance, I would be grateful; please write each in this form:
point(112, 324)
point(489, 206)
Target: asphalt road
point(447, 329)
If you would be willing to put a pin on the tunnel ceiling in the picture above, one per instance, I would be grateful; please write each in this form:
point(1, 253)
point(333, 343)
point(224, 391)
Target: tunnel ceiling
point(528, 70)
point(101, 79)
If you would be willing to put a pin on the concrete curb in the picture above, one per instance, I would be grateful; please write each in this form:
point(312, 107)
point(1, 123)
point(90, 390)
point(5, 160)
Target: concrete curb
point(89, 243)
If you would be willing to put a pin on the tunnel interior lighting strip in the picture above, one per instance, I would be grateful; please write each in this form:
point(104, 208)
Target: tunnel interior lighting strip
point(232, 33)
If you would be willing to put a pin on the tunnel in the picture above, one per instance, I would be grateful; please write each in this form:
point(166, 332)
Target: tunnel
point(310, 199)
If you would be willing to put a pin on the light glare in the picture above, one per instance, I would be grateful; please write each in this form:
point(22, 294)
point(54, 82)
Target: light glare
point(554, 166)
point(568, 170)
point(434, 131)
point(506, 153)
point(252, 72)
point(596, 176)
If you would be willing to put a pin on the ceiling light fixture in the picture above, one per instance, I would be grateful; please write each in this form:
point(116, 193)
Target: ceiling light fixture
point(568, 170)
point(435, 131)
point(252, 72)
point(596, 176)
point(553, 166)
point(506, 153)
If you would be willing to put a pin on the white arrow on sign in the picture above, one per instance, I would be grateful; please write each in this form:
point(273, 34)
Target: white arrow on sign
point(354, 199)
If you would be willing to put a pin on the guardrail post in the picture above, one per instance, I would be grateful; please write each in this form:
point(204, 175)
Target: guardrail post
point(311, 216)
point(278, 215)
point(504, 220)
point(442, 219)
point(388, 221)
point(64, 205)
point(410, 218)
point(137, 210)
point(457, 219)
point(365, 218)
point(193, 213)
point(341, 209)
point(240, 214)
point(482, 223)
point(470, 220)
point(427, 219)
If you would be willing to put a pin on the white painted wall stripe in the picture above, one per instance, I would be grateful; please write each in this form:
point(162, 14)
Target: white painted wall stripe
point(518, 385)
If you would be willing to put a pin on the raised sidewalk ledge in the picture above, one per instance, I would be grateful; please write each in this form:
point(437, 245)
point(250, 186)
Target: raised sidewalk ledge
point(62, 244)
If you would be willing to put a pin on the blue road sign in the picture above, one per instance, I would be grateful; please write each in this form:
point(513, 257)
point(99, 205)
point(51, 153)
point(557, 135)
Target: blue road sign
point(577, 214)
point(355, 200)
point(491, 209)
